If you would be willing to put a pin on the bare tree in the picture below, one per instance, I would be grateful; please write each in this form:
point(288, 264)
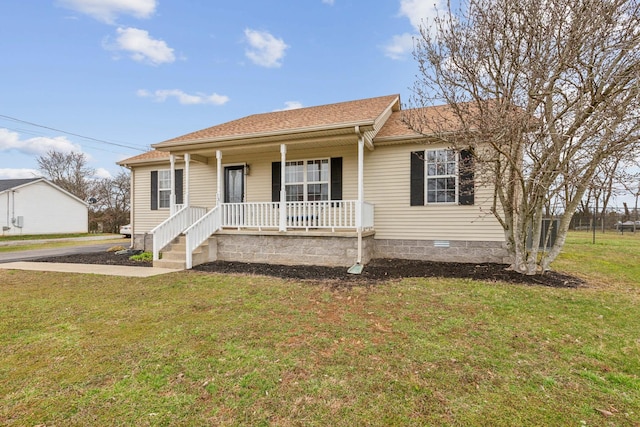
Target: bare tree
point(542, 91)
point(68, 171)
point(112, 201)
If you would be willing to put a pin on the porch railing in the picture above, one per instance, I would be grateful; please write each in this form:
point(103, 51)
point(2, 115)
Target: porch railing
point(336, 214)
point(173, 226)
point(200, 231)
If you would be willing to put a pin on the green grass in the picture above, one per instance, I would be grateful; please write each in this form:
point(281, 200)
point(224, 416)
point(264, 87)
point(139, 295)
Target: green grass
point(196, 349)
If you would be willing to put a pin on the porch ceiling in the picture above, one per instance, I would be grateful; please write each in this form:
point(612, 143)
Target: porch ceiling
point(268, 143)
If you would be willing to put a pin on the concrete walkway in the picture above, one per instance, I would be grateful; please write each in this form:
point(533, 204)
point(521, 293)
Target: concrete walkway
point(108, 270)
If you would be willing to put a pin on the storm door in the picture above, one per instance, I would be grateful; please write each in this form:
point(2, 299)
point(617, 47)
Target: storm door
point(234, 214)
point(234, 184)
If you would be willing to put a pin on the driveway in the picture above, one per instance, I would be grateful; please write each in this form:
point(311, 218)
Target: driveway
point(65, 250)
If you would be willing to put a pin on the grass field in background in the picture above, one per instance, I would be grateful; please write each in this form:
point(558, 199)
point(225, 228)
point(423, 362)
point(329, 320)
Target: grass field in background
point(205, 349)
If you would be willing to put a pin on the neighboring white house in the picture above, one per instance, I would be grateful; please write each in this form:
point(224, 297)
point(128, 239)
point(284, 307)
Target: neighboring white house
point(37, 206)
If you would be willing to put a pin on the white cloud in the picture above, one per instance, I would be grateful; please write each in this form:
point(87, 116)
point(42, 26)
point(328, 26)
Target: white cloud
point(328, 2)
point(102, 173)
point(19, 173)
point(108, 10)
point(420, 13)
point(399, 47)
point(291, 105)
point(264, 49)
point(184, 98)
point(38, 145)
point(141, 47)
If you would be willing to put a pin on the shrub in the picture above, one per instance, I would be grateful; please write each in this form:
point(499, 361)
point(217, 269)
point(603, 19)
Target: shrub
point(143, 257)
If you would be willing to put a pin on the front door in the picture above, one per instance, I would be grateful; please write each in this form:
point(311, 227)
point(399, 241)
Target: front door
point(234, 184)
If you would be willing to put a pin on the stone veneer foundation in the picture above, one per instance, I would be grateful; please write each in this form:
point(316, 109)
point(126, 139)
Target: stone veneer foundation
point(338, 249)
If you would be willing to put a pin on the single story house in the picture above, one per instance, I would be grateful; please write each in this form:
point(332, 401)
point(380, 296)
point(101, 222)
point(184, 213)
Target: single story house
point(38, 206)
point(332, 185)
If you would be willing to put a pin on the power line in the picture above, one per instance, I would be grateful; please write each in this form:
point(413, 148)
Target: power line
point(102, 141)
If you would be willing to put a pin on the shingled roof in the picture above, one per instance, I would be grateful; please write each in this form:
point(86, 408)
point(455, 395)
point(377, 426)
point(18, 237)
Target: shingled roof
point(345, 114)
point(8, 184)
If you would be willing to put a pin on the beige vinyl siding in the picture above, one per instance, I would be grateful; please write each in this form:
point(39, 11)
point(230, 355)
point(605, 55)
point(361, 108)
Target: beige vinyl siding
point(144, 219)
point(202, 183)
point(387, 180)
point(258, 183)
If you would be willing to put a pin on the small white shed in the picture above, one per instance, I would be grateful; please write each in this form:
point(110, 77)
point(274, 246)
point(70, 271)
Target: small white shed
point(37, 206)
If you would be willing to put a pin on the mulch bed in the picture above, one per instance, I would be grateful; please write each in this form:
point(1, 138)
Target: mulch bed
point(377, 270)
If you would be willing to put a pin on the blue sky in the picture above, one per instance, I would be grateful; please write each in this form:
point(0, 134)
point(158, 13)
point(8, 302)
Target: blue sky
point(130, 73)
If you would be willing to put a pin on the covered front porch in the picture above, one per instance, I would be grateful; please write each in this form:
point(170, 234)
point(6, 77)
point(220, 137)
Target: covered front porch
point(232, 214)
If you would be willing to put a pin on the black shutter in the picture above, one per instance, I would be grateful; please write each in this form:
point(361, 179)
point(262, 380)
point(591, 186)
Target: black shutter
point(154, 190)
point(178, 179)
point(466, 185)
point(417, 178)
point(336, 178)
point(275, 181)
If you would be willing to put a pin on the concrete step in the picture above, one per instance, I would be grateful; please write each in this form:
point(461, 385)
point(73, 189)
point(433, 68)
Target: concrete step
point(174, 255)
point(164, 263)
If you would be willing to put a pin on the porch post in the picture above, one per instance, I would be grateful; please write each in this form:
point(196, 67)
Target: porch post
point(219, 176)
point(360, 182)
point(283, 189)
point(187, 159)
point(172, 197)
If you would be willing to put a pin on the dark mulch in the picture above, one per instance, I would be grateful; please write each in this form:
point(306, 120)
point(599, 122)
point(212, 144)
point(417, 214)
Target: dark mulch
point(376, 271)
point(105, 258)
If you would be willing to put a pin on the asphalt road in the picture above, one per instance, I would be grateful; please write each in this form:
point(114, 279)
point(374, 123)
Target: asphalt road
point(66, 250)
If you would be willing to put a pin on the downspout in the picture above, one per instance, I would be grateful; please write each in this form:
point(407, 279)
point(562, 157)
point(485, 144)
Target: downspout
point(360, 192)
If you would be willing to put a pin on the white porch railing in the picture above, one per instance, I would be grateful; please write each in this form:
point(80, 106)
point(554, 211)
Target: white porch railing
point(173, 226)
point(332, 215)
point(200, 231)
point(198, 225)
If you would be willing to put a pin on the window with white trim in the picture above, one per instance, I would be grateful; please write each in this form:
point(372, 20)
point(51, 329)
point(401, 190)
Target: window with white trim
point(307, 180)
point(441, 176)
point(164, 188)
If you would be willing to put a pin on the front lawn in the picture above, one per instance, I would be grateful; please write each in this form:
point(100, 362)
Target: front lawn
point(209, 349)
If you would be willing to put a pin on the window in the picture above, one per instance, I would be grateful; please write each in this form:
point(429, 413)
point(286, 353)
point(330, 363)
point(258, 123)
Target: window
point(441, 176)
point(307, 180)
point(164, 188)
point(161, 188)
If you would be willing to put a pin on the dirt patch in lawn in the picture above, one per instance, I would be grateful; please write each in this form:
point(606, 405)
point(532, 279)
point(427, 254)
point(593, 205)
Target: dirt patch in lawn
point(377, 270)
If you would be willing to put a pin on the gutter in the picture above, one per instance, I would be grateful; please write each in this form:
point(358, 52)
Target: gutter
point(248, 137)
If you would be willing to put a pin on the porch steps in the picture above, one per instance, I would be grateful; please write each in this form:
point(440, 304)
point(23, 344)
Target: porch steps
point(174, 255)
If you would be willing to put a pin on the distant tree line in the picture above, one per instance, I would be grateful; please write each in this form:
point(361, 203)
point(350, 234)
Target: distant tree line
point(108, 198)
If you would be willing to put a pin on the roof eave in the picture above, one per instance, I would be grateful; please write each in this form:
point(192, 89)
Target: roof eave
point(250, 138)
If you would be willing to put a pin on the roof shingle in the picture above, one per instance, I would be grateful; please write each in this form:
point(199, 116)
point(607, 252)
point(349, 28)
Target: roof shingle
point(291, 120)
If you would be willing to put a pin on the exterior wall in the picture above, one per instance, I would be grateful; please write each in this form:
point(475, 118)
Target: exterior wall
point(471, 233)
point(387, 181)
point(202, 182)
point(45, 210)
point(438, 250)
point(335, 250)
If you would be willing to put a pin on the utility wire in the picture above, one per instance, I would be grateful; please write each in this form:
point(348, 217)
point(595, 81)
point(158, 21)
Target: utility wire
point(102, 141)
